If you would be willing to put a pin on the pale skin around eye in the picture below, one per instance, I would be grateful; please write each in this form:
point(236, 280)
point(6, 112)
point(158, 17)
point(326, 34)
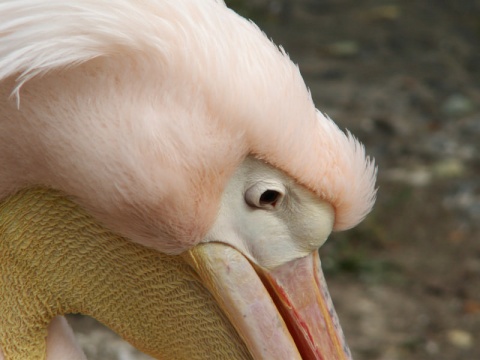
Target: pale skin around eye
point(270, 218)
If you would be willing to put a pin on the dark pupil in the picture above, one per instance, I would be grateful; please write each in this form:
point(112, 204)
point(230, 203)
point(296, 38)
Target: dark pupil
point(269, 197)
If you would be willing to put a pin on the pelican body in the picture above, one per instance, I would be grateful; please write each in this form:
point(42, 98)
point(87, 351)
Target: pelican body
point(173, 142)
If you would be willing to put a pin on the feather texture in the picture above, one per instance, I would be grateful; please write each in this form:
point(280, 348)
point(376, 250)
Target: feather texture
point(142, 110)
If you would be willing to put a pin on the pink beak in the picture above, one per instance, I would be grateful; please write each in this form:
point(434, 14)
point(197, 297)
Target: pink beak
point(284, 313)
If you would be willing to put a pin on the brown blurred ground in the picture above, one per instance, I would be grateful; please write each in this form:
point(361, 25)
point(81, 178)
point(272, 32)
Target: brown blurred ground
point(404, 77)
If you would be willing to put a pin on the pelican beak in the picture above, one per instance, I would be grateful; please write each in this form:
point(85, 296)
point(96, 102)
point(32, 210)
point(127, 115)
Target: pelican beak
point(284, 313)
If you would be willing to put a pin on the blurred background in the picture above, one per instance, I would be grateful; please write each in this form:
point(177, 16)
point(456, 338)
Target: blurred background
point(404, 77)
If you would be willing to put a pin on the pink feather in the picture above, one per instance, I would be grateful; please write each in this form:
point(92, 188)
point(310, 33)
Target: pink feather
point(142, 110)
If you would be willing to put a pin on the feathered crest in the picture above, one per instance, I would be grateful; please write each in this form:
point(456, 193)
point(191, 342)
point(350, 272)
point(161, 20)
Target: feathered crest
point(187, 85)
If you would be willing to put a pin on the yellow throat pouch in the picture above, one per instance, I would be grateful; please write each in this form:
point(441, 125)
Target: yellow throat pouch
point(56, 259)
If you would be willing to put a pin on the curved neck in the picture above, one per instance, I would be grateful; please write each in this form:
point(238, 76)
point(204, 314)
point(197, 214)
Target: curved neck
point(56, 259)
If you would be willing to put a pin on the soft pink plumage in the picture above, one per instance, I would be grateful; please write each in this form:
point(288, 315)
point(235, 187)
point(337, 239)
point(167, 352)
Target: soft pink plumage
point(143, 110)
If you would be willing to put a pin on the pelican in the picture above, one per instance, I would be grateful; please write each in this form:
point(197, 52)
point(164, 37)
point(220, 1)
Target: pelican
point(163, 169)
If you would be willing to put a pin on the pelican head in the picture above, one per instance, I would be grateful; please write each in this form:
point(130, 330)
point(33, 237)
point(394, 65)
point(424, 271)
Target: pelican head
point(178, 128)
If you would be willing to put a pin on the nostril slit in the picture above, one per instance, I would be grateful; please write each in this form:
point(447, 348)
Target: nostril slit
point(269, 197)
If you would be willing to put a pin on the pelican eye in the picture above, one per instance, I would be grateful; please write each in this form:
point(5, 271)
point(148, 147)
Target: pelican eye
point(269, 197)
point(265, 195)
